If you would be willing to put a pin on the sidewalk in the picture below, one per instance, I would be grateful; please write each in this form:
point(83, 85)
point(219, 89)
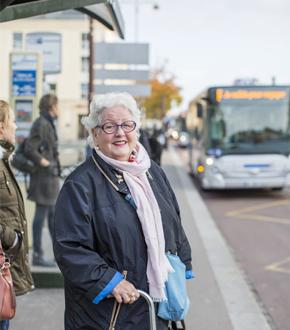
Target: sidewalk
point(220, 297)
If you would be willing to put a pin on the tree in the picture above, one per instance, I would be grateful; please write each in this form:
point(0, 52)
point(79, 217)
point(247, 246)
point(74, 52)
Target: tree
point(163, 92)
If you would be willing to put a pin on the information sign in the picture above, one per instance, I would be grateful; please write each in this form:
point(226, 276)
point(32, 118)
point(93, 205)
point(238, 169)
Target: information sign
point(24, 74)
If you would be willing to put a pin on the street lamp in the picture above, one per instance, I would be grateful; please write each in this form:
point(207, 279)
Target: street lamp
point(91, 61)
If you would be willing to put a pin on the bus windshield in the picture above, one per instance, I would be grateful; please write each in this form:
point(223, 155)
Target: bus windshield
point(250, 126)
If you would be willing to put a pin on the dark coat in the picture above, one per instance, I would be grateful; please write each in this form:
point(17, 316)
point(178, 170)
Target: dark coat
point(144, 140)
point(156, 148)
point(97, 232)
point(12, 220)
point(42, 142)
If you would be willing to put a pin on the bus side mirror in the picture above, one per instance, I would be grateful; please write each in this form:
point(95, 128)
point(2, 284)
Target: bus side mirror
point(199, 110)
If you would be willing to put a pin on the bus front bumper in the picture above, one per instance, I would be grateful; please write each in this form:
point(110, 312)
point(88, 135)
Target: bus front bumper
point(218, 181)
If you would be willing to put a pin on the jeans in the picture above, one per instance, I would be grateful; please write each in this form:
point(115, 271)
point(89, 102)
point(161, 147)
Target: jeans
point(4, 325)
point(41, 212)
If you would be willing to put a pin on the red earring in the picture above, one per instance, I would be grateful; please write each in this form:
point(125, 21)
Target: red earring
point(132, 157)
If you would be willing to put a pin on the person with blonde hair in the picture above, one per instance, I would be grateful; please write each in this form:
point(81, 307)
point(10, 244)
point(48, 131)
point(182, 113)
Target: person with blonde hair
point(13, 224)
point(116, 217)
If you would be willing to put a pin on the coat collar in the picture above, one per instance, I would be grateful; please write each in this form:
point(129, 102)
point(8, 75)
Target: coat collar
point(51, 120)
point(115, 176)
point(6, 149)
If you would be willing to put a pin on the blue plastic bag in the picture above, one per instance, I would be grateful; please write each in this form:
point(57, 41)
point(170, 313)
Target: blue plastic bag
point(177, 304)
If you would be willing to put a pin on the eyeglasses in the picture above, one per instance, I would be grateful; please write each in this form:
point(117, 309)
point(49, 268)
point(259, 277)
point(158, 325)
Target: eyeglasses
point(110, 127)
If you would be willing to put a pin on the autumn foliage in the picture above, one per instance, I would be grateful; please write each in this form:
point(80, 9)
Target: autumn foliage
point(164, 92)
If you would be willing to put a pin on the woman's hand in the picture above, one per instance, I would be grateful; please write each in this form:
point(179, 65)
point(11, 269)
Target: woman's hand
point(125, 292)
point(44, 162)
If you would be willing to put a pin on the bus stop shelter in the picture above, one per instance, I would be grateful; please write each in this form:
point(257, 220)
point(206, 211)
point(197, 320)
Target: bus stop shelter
point(106, 12)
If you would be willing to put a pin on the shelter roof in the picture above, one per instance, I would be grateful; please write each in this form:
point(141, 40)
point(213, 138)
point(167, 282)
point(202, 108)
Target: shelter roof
point(106, 12)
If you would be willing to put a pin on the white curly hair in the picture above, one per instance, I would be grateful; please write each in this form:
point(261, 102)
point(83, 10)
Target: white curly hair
point(105, 101)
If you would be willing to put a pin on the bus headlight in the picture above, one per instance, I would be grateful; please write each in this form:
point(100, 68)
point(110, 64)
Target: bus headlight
point(209, 161)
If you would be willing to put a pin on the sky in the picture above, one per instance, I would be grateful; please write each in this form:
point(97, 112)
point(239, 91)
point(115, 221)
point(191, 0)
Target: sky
point(206, 43)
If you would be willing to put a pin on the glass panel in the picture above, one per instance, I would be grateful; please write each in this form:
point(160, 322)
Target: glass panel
point(84, 90)
point(260, 125)
point(17, 40)
point(85, 41)
point(85, 64)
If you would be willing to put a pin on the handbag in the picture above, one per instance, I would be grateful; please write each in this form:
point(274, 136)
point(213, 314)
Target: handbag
point(7, 293)
point(21, 162)
point(175, 307)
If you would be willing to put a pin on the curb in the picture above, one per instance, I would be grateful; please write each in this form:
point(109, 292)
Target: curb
point(45, 278)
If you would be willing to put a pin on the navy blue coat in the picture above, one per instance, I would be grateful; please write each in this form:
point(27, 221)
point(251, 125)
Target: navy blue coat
point(97, 232)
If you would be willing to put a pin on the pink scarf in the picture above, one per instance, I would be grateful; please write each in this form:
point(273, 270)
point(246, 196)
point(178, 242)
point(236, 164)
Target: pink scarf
point(134, 174)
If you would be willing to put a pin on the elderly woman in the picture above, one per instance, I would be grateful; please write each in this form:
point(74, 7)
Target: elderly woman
point(13, 224)
point(116, 216)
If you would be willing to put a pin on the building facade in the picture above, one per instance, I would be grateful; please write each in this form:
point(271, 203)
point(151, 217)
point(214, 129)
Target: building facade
point(71, 83)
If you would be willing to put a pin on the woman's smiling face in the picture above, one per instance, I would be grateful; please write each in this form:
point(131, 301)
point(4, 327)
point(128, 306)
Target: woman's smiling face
point(120, 144)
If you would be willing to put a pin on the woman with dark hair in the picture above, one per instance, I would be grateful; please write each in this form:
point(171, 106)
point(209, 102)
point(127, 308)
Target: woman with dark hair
point(42, 148)
point(13, 224)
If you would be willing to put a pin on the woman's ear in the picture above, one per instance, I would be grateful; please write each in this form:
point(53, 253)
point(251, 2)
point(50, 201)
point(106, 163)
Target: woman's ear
point(94, 132)
point(95, 135)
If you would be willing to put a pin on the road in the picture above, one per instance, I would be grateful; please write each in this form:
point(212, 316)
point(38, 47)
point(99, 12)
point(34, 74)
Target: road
point(256, 225)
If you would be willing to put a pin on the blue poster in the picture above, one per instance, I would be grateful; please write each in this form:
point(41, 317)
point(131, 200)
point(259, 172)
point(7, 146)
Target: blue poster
point(24, 83)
